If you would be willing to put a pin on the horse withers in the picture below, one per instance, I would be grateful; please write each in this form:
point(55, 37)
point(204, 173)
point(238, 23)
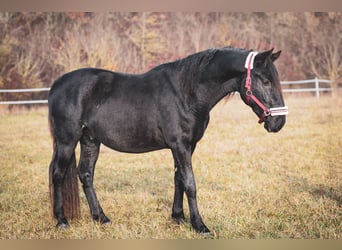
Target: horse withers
point(166, 107)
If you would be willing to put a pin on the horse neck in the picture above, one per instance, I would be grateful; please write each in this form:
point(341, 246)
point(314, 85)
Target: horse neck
point(215, 85)
point(205, 78)
point(208, 95)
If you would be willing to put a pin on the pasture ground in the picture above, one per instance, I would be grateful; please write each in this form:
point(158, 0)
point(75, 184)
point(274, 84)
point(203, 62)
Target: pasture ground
point(251, 184)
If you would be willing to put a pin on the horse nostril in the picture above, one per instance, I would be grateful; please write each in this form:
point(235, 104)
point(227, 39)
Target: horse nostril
point(275, 124)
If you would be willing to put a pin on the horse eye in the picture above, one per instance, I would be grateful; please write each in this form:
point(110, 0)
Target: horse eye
point(266, 82)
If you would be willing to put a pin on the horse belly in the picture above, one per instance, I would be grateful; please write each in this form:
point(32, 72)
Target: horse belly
point(131, 132)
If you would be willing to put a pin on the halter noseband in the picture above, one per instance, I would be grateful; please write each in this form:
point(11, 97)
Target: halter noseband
point(249, 93)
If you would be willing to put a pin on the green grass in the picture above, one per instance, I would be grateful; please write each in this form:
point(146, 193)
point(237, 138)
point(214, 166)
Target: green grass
point(251, 184)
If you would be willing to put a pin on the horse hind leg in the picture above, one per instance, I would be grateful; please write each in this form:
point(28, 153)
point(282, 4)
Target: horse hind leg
point(62, 157)
point(89, 153)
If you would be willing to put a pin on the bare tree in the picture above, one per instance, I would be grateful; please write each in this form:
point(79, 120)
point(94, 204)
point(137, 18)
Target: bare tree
point(37, 47)
point(327, 41)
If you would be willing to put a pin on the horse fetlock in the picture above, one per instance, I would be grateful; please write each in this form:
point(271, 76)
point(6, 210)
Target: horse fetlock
point(178, 217)
point(200, 227)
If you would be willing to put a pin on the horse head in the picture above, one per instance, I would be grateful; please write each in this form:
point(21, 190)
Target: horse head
point(261, 90)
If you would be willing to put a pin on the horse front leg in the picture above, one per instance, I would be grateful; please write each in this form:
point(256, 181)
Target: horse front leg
point(185, 182)
point(177, 208)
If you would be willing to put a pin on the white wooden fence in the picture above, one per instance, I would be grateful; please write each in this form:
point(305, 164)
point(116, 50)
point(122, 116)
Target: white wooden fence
point(316, 88)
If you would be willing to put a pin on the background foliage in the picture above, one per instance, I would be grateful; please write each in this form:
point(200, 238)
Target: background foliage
point(36, 48)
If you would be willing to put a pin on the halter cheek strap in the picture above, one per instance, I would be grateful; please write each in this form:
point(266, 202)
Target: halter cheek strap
point(249, 66)
point(249, 94)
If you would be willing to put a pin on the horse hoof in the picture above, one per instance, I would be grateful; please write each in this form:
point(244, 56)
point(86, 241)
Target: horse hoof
point(102, 219)
point(106, 221)
point(62, 225)
point(203, 230)
point(205, 233)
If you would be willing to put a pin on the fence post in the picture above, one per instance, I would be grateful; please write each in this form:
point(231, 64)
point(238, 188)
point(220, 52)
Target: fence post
point(317, 87)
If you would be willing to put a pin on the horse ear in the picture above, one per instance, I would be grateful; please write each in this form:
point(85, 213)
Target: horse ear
point(261, 58)
point(275, 56)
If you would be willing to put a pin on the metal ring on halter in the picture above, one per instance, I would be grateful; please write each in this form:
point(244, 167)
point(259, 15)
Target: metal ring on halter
point(249, 93)
point(267, 113)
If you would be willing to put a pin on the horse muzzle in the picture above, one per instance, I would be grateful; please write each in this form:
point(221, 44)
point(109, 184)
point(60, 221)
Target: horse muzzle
point(274, 123)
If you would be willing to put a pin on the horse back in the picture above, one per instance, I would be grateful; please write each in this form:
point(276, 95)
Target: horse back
point(122, 111)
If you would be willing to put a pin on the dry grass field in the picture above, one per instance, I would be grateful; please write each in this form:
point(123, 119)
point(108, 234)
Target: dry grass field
point(251, 184)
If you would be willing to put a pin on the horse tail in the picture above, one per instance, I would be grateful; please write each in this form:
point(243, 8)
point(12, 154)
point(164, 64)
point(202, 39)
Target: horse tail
point(70, 192)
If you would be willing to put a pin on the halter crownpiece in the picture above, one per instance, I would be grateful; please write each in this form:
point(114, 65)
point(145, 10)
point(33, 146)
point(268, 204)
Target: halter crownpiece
point(250, 60)
point(249, 94)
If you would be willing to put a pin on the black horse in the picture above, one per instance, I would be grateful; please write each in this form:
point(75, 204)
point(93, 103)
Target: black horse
point(167, 107)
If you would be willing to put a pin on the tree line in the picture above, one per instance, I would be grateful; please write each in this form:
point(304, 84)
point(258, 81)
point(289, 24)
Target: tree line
point(36, 48)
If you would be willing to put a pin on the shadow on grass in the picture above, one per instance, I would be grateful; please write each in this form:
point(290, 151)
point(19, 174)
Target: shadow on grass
point(316, 190)
point(327, 192)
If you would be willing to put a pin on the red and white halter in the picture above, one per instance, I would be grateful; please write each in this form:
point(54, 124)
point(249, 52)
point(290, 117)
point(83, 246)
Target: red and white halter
point(249, 94)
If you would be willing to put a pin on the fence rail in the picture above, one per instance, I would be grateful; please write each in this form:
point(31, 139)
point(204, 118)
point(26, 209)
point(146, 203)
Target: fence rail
point(317, 89)
point(24, 91)
point(24, 102)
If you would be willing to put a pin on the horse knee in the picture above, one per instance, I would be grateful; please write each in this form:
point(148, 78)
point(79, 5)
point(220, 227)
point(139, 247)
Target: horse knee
point(185, 180)
point(190, 189)
point(86, 179)
point(191, 192)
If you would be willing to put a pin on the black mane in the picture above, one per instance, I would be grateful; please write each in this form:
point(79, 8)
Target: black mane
point(191, 67)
